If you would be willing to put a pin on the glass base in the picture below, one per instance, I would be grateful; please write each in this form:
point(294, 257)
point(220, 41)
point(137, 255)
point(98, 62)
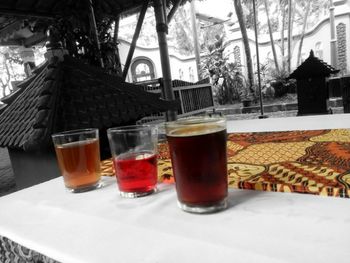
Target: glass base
point(136, 194)
point(85, 188)
point(196, 209)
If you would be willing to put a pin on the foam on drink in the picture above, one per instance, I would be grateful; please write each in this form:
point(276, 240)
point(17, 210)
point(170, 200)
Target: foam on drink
point(195, 130)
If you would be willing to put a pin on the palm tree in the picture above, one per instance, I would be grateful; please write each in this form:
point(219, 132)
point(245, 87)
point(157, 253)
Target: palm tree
point(283, 4)
point(242, 25)
point(306, 15)
point(271, 35)
point(291, 14)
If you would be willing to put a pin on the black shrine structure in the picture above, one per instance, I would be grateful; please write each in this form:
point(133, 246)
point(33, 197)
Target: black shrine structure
point(312, 90)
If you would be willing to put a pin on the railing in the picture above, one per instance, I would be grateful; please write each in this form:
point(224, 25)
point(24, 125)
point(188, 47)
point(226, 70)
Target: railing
point(194, 98)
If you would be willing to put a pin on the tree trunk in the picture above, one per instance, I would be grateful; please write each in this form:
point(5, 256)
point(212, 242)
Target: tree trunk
point(283, 7)
point(303, 31)
point(3, 85)
point(8, 78)
point(290, 36)
point(242, 25)
point(271, 36)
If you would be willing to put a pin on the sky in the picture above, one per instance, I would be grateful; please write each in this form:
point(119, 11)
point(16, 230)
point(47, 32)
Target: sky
point(215, 8)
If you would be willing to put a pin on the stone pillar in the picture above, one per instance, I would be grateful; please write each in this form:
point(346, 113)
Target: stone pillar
point(237, 56)
point(341, 36)
point(333, 43)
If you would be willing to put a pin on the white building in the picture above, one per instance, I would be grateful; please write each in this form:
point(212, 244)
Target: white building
point(146, 61)
point(146, 64)
point(317, 38)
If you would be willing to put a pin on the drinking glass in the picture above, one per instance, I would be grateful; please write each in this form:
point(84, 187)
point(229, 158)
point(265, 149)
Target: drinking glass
point(134, 153)
point(198, 155)
point(78, 156)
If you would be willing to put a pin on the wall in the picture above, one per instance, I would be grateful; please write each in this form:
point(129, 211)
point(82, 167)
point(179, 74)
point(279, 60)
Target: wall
point(177, 62)
point(319, 33)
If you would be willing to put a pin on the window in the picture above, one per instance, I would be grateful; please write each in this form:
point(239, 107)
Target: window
point(142, 69)
point(190, 69)
point(319, 50)
point(181, 74)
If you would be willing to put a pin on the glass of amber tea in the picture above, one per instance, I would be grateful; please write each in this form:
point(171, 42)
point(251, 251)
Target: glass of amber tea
point(134, 153)
point(78, 156)
point(198, 155)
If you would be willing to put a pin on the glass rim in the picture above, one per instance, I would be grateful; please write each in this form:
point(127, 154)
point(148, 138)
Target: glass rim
point(73, 132)
point(131, 128)
point(188, 121)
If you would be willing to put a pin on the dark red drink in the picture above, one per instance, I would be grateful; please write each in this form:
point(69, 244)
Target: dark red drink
point(136, 172)
point(198, 155)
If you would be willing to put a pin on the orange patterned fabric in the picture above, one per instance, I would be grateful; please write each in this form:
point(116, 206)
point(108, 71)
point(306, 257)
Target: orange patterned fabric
point(313, 162)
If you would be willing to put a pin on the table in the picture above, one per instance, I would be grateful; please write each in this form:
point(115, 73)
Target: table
point(100, 226)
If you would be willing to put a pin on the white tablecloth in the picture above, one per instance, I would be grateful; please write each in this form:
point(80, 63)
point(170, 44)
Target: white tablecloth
point(100, 226)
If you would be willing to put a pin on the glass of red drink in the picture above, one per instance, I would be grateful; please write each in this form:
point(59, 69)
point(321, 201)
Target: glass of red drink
point(198, 155)
point(134, 153)
point(78, 156)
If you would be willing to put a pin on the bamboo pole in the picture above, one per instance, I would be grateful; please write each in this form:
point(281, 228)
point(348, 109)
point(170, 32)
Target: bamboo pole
point(93, 26)
point(116, 29)
point(195, 37)
point(262, 116)
point(134, 39)
point(173, 11)
point(290, 35)
point(162, 28)
point(115, 39)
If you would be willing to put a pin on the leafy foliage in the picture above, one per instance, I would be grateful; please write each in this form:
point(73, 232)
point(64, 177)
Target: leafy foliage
point(280, 83)
point(73, 31)
point(10, 68)
point(227, 79)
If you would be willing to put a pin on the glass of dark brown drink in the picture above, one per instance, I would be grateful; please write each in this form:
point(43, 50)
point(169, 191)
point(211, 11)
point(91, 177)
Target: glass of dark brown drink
point(134, 152)
point(198, 155)
point(78, 156)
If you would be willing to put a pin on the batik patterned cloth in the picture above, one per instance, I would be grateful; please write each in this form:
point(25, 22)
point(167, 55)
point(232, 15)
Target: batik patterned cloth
point(314, 162)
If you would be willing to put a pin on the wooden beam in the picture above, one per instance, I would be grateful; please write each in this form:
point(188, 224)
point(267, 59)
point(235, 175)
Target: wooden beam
point(134, 39)
point(94, 32)
point(115, 39)
point(27, 13)
point(195, 38)
point(162, 28)
point(11, 42)
point(173, 10)
point(35, 39)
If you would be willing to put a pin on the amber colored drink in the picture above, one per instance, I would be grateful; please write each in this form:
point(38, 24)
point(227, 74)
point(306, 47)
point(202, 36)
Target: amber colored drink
point(136, 172)
point(79, 163)
point(199, 162)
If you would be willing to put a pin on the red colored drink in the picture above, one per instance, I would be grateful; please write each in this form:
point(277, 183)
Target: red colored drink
point(198, 155)
point(79, 163)
point(136, 172)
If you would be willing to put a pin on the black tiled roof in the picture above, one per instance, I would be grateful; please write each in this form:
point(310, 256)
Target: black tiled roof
point(71, 95)
point(24, 84)
point(313, 67)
